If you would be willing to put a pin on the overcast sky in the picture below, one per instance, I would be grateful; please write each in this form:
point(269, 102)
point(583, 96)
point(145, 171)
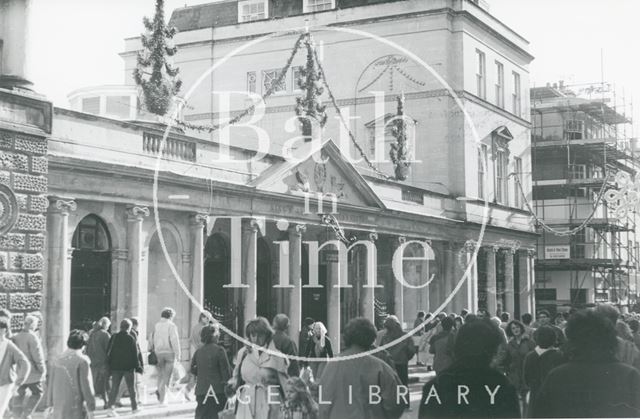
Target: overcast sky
point(76, 42)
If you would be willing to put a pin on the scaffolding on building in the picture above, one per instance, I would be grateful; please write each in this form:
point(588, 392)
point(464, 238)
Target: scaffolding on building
point(579, 143)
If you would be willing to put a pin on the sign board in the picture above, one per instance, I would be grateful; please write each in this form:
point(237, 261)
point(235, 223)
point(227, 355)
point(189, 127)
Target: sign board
point(557, 252)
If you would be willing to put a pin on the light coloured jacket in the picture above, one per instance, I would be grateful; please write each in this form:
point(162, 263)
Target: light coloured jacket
point(165, 338)
point(13, 356)
point(31, 347)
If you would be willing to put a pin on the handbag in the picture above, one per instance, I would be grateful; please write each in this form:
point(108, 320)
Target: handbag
point(229, 411)
point(152, 358)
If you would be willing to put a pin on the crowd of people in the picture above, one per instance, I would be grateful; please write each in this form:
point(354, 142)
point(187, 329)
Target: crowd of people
point(582, 364)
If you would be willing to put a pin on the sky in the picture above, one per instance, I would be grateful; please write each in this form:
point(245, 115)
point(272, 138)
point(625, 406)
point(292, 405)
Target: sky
point(76, 42)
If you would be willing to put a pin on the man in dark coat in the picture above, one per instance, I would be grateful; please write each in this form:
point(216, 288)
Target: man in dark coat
point(123, 357)
point(470, 388)
point(283, 342)
point(593, 383)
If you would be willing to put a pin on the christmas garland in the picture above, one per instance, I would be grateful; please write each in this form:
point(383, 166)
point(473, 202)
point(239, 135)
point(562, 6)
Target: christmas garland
point(250, 109)
point(399, 152)
point(309, 107)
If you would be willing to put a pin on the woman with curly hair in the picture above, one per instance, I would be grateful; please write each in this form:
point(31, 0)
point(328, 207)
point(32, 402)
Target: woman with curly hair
point(511, 356)
point(299, 403)
point(593, 383)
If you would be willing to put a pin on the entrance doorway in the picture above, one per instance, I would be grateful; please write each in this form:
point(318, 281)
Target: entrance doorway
point(266, 304)
point(90, 273)
point(216, 275)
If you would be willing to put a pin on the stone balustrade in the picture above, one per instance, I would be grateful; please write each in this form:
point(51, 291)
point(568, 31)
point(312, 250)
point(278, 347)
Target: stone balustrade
point(173, 148)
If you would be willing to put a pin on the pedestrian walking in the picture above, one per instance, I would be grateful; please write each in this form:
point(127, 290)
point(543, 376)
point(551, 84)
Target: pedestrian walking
point(543, 318)
point(319, 347)
point(29, 344)
point(210, 366)
point(123, 358)
point(626, 350)
point(97, 347)
point(165, 342)
point(402, 351)
point(298, 403)
point(539, 363)
point(417, 336)
point(526, 320)
point(14, 366)
point(306, 337)
point(195, 343)
point(593, 383)
point(284, 343)
point(441, 346)
point(257, 372)
point(511, 356)
point(634, 325)
point(345, 387)
point(487, 392)
point(70, 388)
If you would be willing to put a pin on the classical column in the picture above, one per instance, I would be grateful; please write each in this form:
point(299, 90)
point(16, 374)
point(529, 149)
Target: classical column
point(137, 298)
point(295, 272)
point(16, 28)
point(526, 278)
point(492, 302)
point(119, 259)
point(398, 289)
point(58, 316)
point(508, 282)
point(333, 303)
point(196, 225)
point(472, 280)
point(249, 258)
point(367, 293)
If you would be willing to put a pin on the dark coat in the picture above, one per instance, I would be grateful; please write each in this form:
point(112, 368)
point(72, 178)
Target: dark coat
point(402, 351)
point(211, 367)
point(446, 383)
point(588, 389)
point(441, 346)
point(123, 353)
point(512, 359)
point(536, 368)
point(327, 351)
point(287, 346)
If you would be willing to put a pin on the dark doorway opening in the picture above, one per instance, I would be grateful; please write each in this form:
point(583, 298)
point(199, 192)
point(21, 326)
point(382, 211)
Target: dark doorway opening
point(266, 304)
point(90, 273)
point(216, 275)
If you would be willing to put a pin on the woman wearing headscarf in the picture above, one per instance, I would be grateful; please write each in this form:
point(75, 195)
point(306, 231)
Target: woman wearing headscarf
point(319, 347)
point(258, 378)
point(195, 343)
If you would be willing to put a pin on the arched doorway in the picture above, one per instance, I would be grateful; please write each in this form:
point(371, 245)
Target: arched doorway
point(266, 303)
point(90, 273)
point(216, 275)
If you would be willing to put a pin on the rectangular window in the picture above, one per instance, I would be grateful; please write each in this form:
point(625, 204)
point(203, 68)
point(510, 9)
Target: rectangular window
point(502, 168)
point(481, 88)
point(573, 129)
point(482, 170)
point(118, 106)
point(91, 105)
point(318, 5)
point(517, 193)
point(250, 10)
point(296, 73)
point(411, 195)
point(578, 296)
point(578, 244)
point(577, 171)
point(251, 81)
point(499, 85)
point(269, 80)
point(517, 94)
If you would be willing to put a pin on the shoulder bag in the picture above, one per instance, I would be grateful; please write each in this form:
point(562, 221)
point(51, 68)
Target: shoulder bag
point(152, 358)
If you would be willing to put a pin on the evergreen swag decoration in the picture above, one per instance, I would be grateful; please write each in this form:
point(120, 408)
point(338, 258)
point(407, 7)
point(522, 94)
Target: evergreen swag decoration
point(308, 106)
point(155, 76)
point(399, 152)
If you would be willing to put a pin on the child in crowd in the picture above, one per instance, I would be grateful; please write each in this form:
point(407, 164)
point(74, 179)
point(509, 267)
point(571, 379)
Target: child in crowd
point(299, 404)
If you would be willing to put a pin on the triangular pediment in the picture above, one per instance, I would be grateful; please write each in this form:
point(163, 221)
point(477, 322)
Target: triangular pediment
point(319, 171)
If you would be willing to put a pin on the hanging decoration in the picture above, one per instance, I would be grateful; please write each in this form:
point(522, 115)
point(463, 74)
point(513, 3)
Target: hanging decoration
point(627, 196)
point(599, 199)
point(399, 152)
point(154, 74)
point(309, 108)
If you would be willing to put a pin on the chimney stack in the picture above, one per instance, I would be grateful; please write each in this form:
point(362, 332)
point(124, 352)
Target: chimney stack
point(14, 45)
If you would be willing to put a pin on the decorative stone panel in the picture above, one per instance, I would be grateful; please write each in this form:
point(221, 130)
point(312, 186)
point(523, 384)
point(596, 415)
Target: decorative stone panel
point(12, 241)
point(26, 261)
point(23, 202)
point(35, 282)
point(12, 281)
point(38, 203)
point(29, 183)
point(31, 146)
point(5, 178)
point(14, 161)
point(39, 165)
point(23, 301)
point(36, 242)
point(31, 222)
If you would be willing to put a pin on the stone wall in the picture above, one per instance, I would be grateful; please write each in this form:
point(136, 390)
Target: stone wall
point(23, 203)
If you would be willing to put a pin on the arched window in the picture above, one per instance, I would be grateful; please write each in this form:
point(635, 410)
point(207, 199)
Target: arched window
point(91, 234)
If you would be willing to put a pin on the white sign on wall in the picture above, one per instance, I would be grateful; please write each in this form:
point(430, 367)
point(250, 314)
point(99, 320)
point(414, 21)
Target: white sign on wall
point(557, 252)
